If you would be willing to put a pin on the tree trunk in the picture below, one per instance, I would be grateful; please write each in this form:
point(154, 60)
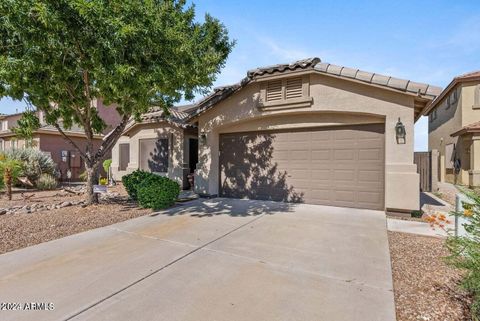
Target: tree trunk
point(7, 179)
point(92, 177)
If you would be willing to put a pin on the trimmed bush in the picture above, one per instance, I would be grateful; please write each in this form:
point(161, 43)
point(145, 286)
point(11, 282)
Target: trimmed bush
point(133, 180)
point(34, 162)
point(157, 192)
point(46, 182)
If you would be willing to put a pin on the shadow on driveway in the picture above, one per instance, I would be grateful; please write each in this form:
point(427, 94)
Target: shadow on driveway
point(227, 206)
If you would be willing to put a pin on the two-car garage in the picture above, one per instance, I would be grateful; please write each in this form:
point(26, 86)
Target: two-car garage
point(337, 166)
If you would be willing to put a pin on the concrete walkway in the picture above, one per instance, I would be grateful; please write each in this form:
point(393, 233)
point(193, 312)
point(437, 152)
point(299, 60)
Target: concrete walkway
point(212, 260)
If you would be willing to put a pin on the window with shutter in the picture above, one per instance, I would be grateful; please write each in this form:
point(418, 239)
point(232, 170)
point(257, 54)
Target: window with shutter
point(293, 88)
point(285, 93)
point(124, 156)
point(274, 90)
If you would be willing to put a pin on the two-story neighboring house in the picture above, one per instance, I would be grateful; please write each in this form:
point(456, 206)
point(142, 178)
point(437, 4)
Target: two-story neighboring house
point(49, 140)
point(454, 130)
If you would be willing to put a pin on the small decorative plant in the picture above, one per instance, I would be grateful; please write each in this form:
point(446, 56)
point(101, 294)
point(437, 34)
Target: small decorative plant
point(46, 182)
point(103, 181)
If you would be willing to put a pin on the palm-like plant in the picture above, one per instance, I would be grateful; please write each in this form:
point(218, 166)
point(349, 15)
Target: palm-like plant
point(10, 169)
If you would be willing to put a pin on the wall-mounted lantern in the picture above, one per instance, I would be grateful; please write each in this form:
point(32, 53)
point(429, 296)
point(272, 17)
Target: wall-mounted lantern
point(400, 132)
point(203, 137)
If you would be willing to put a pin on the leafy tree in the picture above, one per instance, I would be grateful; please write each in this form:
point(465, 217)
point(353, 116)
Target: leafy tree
point(26, 127)
point(60, 55)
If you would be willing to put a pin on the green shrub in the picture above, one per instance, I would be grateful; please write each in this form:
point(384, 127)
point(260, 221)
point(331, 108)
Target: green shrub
point(34, 162)
point(133, 180)
point(106, 165)
point(46, 182)
point(465, 252)
point(157, 192)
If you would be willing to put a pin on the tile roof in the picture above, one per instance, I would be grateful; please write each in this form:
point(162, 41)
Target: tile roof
point(178, 116)
point(427, 92)
point(470, 76)
point(472, 128)
point(378, 79)
point(299, 64)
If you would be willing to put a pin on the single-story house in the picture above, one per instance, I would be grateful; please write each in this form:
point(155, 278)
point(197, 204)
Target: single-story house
point(49, 140)
point(454, 130)
point(307, 131)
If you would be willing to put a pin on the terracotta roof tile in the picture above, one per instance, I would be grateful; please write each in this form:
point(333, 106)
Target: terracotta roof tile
point(472, 128)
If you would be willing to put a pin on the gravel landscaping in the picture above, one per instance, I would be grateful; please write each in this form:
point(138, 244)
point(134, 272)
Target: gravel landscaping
point(425, 287)
point(26, 227)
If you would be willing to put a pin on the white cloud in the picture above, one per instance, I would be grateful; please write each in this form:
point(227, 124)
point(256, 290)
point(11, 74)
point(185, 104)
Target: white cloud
point(282, 52)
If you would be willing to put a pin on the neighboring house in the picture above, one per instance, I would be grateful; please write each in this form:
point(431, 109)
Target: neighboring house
point(303, 132)
point(49, 140)
point(454, 130)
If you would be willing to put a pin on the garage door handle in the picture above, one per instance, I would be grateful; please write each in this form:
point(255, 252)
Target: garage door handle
point(289, 175)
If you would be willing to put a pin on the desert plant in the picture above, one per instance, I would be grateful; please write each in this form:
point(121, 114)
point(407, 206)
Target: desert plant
point(465, 252)
point(158, 192)
point(132, 182)
point(35, 162)
point(10, 170)
point(46, 182)
point(106, 165)
point(83, 176)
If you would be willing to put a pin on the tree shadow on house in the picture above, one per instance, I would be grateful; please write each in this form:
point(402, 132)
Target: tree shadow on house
point(251, 181)
point(248, 169)
point(159, 158)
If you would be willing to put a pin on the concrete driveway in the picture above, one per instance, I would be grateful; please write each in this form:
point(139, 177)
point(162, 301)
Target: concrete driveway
point(219, 259)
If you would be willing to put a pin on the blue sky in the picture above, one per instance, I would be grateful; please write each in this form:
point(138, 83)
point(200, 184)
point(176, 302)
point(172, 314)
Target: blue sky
point(425, 41)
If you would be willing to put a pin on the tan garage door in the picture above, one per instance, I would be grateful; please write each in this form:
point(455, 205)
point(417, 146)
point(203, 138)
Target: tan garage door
point(338, 166)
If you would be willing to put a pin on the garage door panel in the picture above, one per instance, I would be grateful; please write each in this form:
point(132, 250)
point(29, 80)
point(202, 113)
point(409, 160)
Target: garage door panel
point(343, 154)
point(339, 166)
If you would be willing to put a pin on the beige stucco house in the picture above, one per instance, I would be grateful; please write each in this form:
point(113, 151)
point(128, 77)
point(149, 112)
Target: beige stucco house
point(308, 132)
point(454, 130)
point(167, 145)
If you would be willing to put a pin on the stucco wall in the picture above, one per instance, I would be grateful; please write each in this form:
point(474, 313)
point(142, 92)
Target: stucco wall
point(335, 101)
point(54, 144)
point(449, 120)
point(177, 167)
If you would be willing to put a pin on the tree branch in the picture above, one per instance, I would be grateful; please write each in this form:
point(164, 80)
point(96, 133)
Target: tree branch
point(69, 140)
point(112, 137)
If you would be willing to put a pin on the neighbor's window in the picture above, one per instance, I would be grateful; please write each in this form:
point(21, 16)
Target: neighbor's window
point(4, 124)
point(284, 89)
point(124, 156)
point(476, 97)
point(154, 154)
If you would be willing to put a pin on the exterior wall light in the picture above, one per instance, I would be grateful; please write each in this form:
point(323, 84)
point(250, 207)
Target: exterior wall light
point(203, 137)
point(400, 132)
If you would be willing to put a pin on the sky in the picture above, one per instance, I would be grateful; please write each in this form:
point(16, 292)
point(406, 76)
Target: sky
point(424, 41)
